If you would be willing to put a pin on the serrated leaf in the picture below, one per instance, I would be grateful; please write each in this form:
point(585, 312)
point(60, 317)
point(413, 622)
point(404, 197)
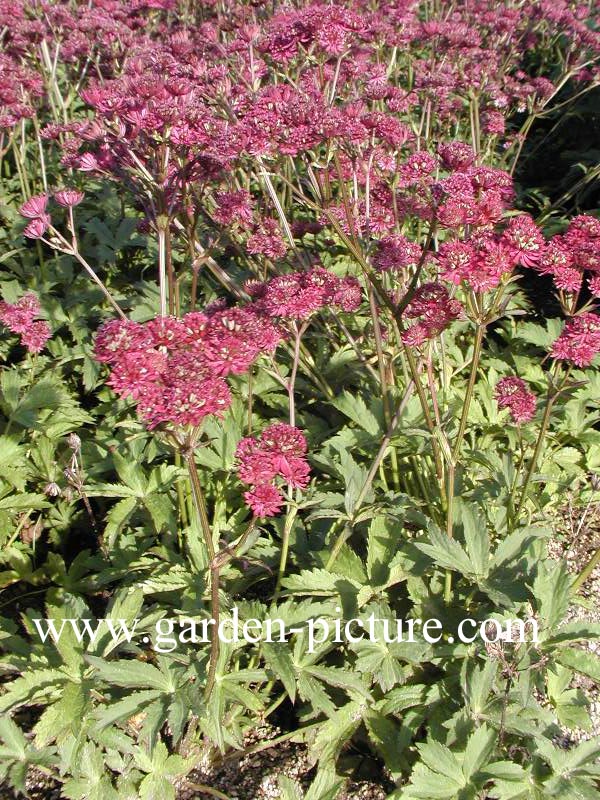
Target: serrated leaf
point(355, 408)
point(132, 674)
point(278, 658)
point(446, 552)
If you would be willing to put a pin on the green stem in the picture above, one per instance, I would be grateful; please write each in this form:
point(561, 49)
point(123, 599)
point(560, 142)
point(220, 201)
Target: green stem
point(285, 546)
point(200, 505)
point(451, 472)
point(470, 386)
point(586, 571)
point(536, 453)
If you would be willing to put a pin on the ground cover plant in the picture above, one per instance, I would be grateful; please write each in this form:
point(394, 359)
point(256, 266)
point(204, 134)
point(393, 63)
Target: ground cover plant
point(267, 355)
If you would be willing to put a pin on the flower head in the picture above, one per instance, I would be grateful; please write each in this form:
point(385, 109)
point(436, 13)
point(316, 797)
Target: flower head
point(512, 393)
point(264, 500)
point(68, 198)
point(579, 342)
point(279, 452)
point(34, 207)
point(37, 227)
point(20, 318)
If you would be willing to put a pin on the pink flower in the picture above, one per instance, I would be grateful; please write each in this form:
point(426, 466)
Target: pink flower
point(279, 451)
point(435, 309)
point(580, 340)
point(87, 163)
point(298, 295)
point(118, 337)
point(512, 393)
point(34, 207)
point(174, 368)
point(68, 197)
point(264, 500)
point(594, 284)
point(348, 294)
point(523, 240)
point(396, 253)
point(37, 227)
point(36, 336)
point(233, 207)
point(456, 155)
point(267, 241)
point(493, 122)
point(20, 317)
point(188, 402)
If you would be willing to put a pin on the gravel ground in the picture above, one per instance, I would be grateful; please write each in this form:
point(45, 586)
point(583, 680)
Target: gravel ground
point(256, 776)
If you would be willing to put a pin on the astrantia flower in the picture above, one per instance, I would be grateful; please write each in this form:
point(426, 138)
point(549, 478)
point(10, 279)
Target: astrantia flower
point(233, 207)
point(36, 336)
point(396, 253)
point(37, 227)
point(20, 318)
point(117, 337)
point(264, 500)
point(512, 393)
point(187, 402)
point(34, 207)
point(594, 284)
point(174, 368)
point(348, 294)
point(434, 309)
point(68, 198)
point(456, 155)
point(298, 295)
point(481, 262)
point(135, 371)
point(279, 452)
point(579, 342)
point(267, 240)
point(523, 240)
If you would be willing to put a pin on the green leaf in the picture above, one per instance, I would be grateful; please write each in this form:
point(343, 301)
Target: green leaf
point(36, 685)
point(288, 789)
point(382, 545)
point(552, 591)
point(132, 674)
point(480, 746)
point(336, 731)
point(476, 538)
point(572, 632)
point(355, 408)
point(326, 785)
point(446, 552)
point(385, 734)
point(278, 658)
point(127, 707)
point(116, 519)
point(13, 738)
point(581, 661)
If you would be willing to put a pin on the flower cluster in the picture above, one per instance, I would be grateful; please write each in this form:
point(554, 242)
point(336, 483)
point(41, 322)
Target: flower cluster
point(34, 210)
point(432, 306)
point(512, 393)
point(298, 295)
point(20, 318)
point(569, 256)
point(482, 261)
point(279, 452)
point(579, 342)
point(175, 369)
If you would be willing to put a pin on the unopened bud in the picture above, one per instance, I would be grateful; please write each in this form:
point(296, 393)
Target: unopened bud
point(52, 489)
point(74, 442)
